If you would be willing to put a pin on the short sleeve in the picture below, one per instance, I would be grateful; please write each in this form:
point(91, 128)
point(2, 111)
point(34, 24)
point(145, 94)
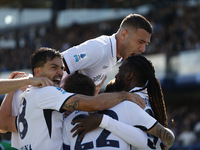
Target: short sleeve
point(83, 56)
point(51, 97)
point(138, 117)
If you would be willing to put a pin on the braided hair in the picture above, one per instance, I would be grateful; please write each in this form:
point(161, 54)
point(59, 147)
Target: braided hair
point(144, 73)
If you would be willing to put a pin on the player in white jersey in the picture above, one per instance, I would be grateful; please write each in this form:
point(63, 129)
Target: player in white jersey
point(96, 57)
point(17, 80)
point(39, 115)
point(137, 75)
point(99, 138)
point(82, 84)
point(102, 139)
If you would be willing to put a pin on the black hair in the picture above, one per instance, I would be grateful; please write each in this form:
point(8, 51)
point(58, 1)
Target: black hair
point(42, 55)
point(79, 84)
point(111, 87)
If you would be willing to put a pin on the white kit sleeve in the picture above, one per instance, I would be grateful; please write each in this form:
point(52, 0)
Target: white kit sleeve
point(137, 117)
point(83, 56)
point(51, 97)
point(130, 134)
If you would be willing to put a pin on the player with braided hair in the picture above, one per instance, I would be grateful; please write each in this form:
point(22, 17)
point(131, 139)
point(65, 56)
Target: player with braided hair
point(141, 71)
point(145, 74)
point(137, 75)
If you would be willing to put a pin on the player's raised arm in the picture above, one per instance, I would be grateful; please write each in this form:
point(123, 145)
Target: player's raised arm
point(11, 84)
point(100, 102)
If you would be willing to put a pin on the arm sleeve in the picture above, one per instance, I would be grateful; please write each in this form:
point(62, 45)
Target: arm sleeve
point(130, 134)
point(138, 117)
point(51, 97)
point(83, 56)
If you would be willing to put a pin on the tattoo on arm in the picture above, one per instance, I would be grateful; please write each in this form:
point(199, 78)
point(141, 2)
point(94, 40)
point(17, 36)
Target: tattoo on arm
point(72, 106)
point(161, 132)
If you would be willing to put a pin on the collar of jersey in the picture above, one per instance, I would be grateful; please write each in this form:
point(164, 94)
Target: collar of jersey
point(114, 45)
point(137, 88)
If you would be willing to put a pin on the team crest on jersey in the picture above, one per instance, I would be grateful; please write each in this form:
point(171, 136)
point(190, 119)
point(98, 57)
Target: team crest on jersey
point(61, 90)
point(79, 57)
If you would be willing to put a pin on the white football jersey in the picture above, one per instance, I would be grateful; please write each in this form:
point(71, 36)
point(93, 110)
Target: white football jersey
point(40, 122)
point(94, 58)
point(15, 111)
point(101, 139)
point(152, 141)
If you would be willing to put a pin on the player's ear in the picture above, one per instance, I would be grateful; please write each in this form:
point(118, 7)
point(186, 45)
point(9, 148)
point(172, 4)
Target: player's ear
point(123, 34)
point(129, 76)
point(37, 71)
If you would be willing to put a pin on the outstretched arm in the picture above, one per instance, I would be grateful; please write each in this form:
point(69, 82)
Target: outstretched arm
point(131, 135)
point(129, 132)
point(139, 117)
point(15, 81)
point(100, 102)
point(8, 85)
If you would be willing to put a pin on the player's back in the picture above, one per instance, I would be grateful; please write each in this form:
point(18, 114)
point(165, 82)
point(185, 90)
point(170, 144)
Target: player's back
point(38, 128)
point(101, 138)
point(94, 58)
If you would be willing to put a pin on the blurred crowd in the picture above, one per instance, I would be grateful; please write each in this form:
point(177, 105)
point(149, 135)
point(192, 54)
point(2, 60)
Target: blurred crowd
point(176, 29)
point(184, 121)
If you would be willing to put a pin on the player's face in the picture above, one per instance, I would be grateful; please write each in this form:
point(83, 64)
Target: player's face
point(52, 69)
point(135, 43)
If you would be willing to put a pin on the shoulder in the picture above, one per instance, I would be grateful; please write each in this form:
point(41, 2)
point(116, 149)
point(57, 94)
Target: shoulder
point(49, 91)
point(133, 107)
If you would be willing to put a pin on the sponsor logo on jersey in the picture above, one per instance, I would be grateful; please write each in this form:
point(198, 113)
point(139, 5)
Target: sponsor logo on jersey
point(79, 57)
point(98, 78)
point(61, 90)
point(104, 67)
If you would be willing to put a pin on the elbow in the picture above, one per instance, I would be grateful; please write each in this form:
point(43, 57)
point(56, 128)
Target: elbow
point(3, 128)
point(170, 139)
point(3, 131)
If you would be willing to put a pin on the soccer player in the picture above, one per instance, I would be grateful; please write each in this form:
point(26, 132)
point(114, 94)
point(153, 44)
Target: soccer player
point(125, 112)
point(96, 57)
point(137, 75)
point(8, 85)
point(40, 119)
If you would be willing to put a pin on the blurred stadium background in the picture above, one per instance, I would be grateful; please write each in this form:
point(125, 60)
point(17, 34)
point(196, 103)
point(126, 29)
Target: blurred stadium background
point(174, 49)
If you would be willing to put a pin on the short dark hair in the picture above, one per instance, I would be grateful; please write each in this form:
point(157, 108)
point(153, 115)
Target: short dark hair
point(111, 87)
point(80, 84)
point(137, 21)
point(42, 55)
